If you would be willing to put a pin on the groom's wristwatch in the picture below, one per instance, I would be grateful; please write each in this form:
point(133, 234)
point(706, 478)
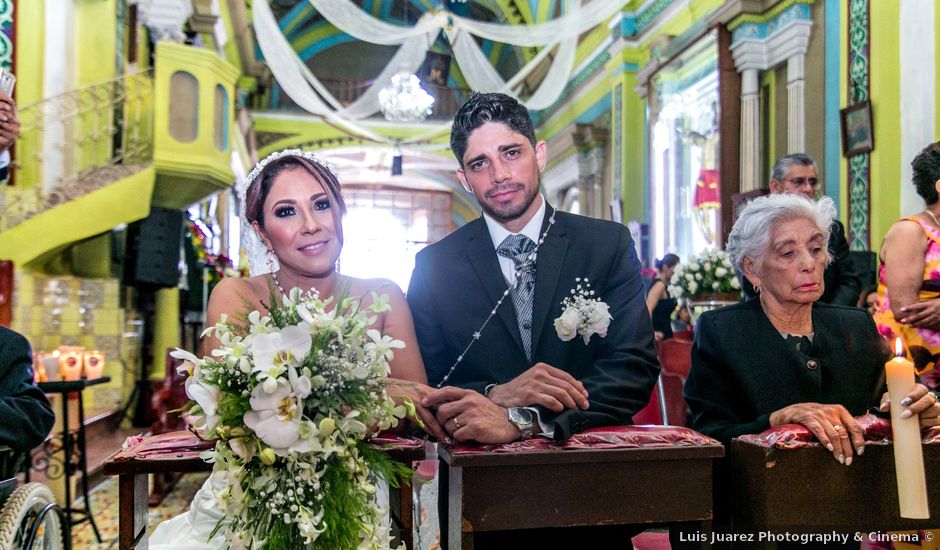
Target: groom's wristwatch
point(524, 419)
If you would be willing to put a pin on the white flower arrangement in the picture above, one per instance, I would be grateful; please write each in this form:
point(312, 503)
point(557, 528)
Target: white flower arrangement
point(582, 314)
point(291, 398)
point(708, 273)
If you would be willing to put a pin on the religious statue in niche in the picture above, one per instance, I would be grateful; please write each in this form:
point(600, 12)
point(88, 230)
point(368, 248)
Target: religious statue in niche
point(706, 197)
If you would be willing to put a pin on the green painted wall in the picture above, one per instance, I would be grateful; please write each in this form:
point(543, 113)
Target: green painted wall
point(95, 41)
point(886, 112)
point(28, 51)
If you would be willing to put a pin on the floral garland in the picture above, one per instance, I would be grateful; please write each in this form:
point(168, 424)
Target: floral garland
point(708, 273)
point(291, 398)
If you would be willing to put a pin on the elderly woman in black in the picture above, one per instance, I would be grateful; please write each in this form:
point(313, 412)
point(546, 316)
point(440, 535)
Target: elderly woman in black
point(786, 358)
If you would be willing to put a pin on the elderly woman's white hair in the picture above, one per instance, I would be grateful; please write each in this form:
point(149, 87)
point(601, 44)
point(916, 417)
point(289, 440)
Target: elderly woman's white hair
point(750, 236)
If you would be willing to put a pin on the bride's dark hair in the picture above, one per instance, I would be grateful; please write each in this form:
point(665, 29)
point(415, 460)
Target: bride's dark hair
point(258, 191)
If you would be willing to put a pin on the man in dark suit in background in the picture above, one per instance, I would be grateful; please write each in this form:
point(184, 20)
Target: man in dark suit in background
point(506, 370)
point(26, 415)
point(796, 174)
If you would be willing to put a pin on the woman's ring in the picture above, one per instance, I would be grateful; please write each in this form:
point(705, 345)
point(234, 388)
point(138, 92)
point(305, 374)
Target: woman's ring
point(837, 428)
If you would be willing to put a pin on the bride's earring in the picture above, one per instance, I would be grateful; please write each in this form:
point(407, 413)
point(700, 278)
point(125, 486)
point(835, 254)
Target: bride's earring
point(270, 261)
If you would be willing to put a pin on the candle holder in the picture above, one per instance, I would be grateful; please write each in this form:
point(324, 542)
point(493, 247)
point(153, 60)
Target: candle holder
point(94, 364)
point(71, 360)
point(50, 364)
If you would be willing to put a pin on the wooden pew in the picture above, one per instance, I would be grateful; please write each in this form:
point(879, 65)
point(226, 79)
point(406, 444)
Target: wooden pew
point(628, 475)
point(786, 482)
point(179, 452)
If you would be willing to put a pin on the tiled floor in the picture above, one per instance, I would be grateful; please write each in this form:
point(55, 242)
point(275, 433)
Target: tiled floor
point(104, 504)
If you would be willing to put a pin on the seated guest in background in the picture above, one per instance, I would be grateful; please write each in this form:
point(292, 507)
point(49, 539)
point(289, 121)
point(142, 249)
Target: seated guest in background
point(658, 301)
point(869, 299)
point(909, 277)
point(786, 358)
point(796, 175)
point(683, 320)
point(26, 415)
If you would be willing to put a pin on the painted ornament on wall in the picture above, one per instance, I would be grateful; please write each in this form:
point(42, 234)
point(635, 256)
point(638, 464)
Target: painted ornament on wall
point(6, 33)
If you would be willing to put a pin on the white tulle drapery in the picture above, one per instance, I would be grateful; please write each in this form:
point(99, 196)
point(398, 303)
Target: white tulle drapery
point(351, 19)
point(301, 85)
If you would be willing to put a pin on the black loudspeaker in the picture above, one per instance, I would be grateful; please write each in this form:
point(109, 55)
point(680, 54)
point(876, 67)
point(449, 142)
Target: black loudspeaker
point(153, 249)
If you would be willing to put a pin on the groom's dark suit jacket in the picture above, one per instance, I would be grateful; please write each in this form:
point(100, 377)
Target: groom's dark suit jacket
point(457, 282)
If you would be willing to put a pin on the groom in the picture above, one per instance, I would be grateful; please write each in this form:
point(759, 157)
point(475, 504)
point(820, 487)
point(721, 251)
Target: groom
point(506, 372)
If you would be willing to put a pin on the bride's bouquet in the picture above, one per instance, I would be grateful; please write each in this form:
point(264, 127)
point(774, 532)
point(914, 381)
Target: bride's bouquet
point(291, 398)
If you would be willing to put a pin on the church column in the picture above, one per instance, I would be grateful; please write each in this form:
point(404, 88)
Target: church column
point(628, 181)
point(796, 113)
point(760, 42)
point(750, 131)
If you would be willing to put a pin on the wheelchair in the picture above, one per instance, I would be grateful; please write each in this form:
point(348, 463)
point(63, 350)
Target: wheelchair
point(30, 519)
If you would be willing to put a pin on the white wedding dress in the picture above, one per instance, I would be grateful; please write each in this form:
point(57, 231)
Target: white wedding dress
point(191, 529)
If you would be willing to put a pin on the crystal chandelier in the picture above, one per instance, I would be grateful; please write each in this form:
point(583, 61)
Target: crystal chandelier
point(405, 100)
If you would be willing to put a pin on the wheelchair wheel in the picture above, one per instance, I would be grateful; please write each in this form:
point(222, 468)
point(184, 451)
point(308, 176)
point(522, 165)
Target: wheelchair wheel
point(20, 512)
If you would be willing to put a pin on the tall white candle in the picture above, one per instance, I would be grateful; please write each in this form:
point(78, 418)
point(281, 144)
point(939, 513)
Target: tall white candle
point(908, 453)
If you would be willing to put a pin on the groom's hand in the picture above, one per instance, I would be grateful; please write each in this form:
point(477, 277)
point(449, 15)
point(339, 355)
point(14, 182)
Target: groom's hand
point(543, 384)
point(468, 416)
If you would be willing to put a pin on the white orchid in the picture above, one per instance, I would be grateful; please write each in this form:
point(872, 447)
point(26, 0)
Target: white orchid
point(206, 396)
point(275, 417)
point(275, 352)
point(382, 345)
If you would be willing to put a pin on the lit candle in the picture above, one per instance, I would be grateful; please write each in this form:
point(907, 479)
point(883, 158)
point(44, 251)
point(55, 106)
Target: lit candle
point(908, 454)
point(70, 363)
point(50, 361)
point(94, 364)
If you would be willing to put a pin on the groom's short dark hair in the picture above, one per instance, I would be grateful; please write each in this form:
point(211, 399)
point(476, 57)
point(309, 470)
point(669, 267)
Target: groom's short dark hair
point(483, 108)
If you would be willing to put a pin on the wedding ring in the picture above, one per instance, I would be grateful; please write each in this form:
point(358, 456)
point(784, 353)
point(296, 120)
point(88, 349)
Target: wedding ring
point(456, 423)
point(837, 428)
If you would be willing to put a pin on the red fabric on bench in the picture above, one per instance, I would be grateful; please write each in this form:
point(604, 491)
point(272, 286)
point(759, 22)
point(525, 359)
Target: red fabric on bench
point(608, 437)
point(791, 436)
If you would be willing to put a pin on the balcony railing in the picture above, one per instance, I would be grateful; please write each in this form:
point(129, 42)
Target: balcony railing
point(77, 142)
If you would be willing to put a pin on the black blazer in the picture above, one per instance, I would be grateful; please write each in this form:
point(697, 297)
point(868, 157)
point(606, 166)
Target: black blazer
point(457, 282)
point(743, 370)
point(843, 278)
point(26, 415)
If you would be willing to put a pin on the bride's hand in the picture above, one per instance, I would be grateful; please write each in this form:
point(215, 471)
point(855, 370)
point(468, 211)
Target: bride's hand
point(399, 389)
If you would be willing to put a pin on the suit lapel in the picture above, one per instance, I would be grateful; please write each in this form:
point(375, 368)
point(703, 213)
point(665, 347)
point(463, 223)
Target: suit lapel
point(482, 257)
point(548, 267)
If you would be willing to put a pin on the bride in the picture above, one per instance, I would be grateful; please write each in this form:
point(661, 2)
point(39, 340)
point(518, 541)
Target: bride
point(292, 201)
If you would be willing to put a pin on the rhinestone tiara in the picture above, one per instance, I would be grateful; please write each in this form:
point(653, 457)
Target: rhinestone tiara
point(281, 154)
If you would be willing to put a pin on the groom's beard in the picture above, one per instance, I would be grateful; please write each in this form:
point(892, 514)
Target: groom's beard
point(509, 212)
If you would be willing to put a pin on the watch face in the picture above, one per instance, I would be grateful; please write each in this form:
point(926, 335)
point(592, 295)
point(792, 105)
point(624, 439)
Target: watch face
point(519, 415)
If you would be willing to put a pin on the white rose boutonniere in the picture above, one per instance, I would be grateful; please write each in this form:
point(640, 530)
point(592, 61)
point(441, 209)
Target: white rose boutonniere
point(582, 314)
